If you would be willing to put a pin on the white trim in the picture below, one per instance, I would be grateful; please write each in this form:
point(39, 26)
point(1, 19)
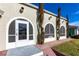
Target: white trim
point(49, 23)
point(24, 42)
point(49, 39)
point(52, 25)
point(63, 37)
point(52, 38)
point(7, 28)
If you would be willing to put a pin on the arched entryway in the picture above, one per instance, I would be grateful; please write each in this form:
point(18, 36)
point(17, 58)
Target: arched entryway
point(49, 31)
point(62, 31)
point(19, 33)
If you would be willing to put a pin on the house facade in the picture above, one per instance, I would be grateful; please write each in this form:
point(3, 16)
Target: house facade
point(78, 30)
point(73, 30)
point(18, 25)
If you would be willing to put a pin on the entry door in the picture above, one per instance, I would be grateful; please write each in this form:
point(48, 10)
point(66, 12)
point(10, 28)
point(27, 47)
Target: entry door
point(22, 30)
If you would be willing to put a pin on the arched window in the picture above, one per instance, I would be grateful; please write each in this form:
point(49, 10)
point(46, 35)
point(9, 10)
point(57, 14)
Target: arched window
point(62, 31)
point(49, 31)
point(12, 31)
point(30, 31)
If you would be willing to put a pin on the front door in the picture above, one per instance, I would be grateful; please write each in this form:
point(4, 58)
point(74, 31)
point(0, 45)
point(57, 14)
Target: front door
point(22, 33)
point(18, 34)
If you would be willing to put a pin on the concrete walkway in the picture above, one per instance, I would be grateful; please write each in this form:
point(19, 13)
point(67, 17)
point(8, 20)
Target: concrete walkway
point(47, 46)
point(34, 49)
point(30, 50)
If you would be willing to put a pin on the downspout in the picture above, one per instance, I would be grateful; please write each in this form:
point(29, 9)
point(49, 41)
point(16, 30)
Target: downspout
point(58, 24)
point(40, 18)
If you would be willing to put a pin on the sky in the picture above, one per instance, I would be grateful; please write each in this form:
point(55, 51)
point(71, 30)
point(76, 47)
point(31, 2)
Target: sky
point(70, 9)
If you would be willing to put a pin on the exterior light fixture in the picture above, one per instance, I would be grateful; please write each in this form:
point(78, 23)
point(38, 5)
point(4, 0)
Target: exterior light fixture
point(62, 21)
point(21, 10)
point(1, 13)
point(50, 17)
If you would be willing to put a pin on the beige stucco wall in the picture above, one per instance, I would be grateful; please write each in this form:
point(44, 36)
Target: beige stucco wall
point(78, 31)
point(51, 21)
point(11, 11)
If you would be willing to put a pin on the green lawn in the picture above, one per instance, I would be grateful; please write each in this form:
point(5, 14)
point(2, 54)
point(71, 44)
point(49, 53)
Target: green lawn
point(69, 48)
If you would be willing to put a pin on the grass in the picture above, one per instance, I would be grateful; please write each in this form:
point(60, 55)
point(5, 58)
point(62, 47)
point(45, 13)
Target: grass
point(69, 48)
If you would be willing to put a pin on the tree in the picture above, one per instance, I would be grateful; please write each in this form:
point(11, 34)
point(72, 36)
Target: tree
point(40, 18)
point(58, 24)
